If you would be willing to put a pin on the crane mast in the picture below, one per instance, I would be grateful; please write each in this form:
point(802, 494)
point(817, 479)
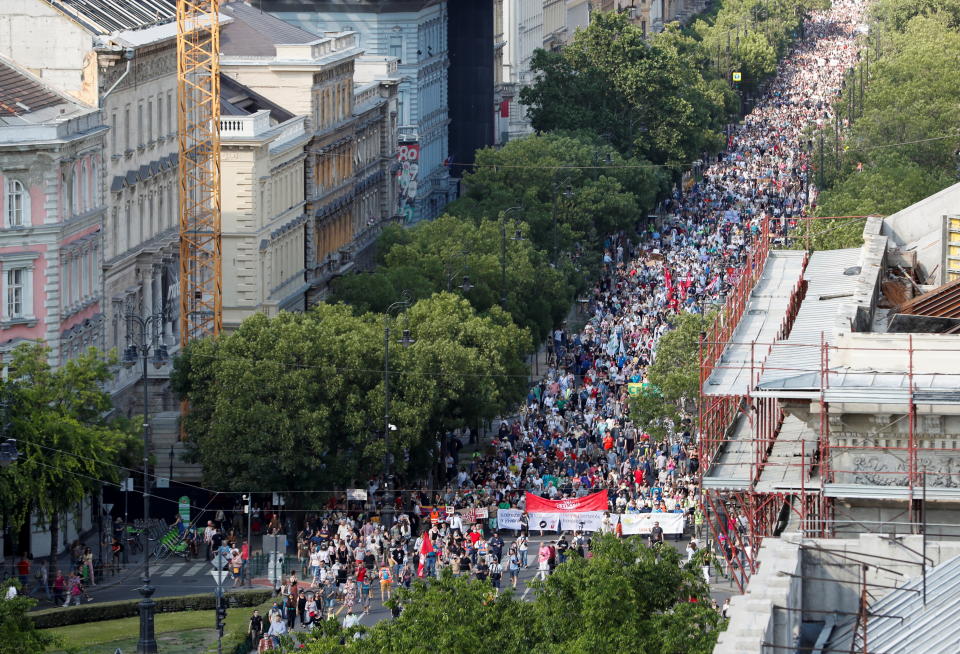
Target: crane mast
point(198, 121)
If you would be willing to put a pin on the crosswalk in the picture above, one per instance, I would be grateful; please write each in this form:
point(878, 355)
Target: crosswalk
point(189, 569)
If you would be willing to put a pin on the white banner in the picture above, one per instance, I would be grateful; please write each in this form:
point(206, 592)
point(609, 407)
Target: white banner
point(509, 518)
point(357, 494)
point(642, 523)
point(583, 521)
point(544, 521)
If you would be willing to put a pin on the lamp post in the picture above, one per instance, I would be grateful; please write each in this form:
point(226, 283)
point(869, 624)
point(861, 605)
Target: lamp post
point(148, 337)
point(503, 252)
point(405, 341)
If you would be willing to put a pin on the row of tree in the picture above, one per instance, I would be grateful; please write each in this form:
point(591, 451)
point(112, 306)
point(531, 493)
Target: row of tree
point(895, 141)
point(625, 598)
point(68, 440)
point(667, 97)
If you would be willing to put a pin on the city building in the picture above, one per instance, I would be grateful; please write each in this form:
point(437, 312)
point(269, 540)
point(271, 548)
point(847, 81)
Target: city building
point(652, 15)
point(520, 28)
point(53, 208)
point(415, 33)
point(119, 56)
point(263, 218)
point(350, 153)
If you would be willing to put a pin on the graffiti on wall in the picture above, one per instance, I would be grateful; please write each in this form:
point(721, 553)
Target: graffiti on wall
point(409, 158)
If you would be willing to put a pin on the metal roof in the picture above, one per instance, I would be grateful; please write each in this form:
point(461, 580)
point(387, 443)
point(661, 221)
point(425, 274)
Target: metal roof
point(257, 33)
point(22, 94)
point(759, 323)
point(931, 628)
point(795, 362)
point(107, 16)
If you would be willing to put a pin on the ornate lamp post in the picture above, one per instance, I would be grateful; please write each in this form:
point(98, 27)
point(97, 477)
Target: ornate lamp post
point(140, 342)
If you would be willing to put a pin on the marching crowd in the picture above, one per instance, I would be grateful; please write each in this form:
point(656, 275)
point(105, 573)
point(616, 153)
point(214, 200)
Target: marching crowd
point(575, 435)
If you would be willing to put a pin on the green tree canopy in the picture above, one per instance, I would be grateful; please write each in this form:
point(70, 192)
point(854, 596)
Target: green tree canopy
point(67, 443)
point(296, 401)
point(647, 94)
point(625, 598)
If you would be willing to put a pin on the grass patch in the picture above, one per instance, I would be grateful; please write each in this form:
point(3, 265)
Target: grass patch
point(187, 631)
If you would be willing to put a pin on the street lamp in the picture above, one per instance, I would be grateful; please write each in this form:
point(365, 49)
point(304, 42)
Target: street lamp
point(517, 236)
point(148, 338)
point(405, 341)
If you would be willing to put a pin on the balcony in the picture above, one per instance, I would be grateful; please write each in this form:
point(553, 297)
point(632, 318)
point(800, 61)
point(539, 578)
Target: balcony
point(245, 127)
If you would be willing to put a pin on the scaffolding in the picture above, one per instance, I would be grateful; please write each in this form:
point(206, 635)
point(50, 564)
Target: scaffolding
point(776, 382)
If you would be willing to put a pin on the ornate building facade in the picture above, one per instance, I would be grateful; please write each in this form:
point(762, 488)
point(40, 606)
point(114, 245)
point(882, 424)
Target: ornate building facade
point(52, 207)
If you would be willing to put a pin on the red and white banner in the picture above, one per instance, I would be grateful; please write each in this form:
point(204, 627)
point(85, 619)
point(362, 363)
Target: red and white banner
point(592, 502)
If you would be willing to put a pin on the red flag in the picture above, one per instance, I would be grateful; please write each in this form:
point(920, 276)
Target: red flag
point(668, 281)
point(425, 548)
point(592, 502)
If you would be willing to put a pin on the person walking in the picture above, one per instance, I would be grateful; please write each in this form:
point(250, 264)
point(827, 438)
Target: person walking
point(255, 628)
point(543, 561)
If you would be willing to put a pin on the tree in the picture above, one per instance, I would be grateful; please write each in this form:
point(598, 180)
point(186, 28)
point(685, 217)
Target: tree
point(648, 94)
point(607, 603)
point(18, 633)
point(297, 401)
point(562, 176)
point(626, 597)
point(676, 369)
point(68, 445)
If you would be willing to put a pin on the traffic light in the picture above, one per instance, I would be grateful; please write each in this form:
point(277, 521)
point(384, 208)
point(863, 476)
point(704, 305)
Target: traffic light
point(221, 618)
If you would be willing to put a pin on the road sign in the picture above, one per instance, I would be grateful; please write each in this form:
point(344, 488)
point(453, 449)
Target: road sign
point(183, 508)
point(107, 508)
point(220, 562)
point(219, 576)
point(738, 77)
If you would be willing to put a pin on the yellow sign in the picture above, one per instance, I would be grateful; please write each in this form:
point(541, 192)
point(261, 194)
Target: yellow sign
point(738, 77)
point(633, 389)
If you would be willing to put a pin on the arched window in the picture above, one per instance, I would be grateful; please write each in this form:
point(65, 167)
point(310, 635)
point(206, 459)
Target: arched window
point(18, 204)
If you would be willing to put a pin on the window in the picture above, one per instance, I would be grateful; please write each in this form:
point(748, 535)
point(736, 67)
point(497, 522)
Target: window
point(170, 127)
point(396, 47)
point(15, 294)
point(18, 204)
point(160, 116)
point(150, 120)
point(76, 190)
point(114, 134)
point(126, 127)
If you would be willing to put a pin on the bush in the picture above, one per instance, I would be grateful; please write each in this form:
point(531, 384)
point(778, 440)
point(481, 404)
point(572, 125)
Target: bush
point(60, 617)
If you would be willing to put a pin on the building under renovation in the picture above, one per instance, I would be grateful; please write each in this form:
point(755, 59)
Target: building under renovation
point(830, 388)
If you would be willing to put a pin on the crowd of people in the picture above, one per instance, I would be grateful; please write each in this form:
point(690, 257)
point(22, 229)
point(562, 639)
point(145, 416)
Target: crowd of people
point(575, 434)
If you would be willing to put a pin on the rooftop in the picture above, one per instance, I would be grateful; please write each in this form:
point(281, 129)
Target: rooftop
point(907, 621)
point(366, 6)
point(239, 100)
point(31, 111)
point(108, 16)
point(256, 33)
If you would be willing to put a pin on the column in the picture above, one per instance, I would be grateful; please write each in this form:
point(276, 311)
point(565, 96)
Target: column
point(146, 287)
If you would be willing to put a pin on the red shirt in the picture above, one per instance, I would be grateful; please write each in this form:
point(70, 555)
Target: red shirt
point(474, 537)
point(23, 567)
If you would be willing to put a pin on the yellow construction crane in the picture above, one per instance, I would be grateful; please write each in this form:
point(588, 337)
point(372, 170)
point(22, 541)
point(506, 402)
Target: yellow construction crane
point(198, 120)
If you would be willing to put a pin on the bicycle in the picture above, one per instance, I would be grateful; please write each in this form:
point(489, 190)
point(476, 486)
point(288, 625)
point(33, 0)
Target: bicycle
point(134, 546)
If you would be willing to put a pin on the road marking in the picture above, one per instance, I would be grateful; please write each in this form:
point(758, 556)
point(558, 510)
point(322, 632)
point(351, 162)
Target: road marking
point(525, 591)
point(195, 570)
point(172, 569)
